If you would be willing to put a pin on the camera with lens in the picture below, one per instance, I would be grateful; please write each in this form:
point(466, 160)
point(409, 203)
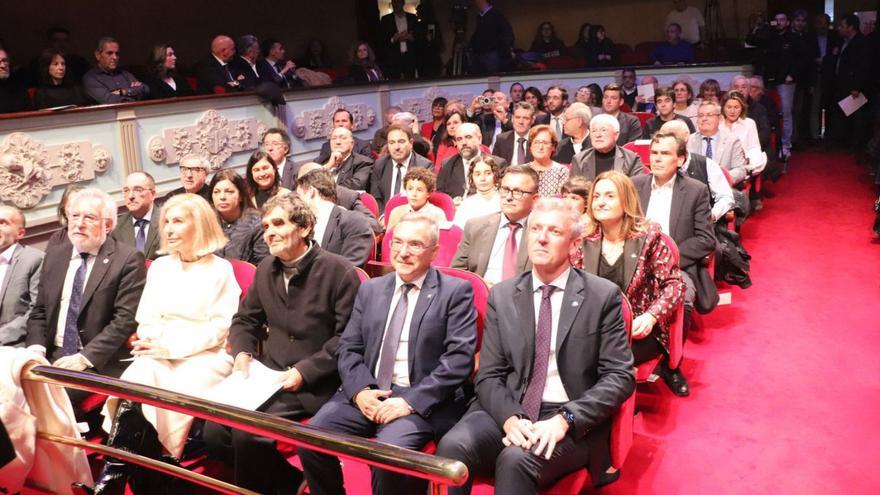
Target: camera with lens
point(486, 100)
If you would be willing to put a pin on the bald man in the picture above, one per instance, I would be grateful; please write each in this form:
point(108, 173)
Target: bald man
point(214, 73)
point(139, 226)
point(348, 168)
point(453, 176)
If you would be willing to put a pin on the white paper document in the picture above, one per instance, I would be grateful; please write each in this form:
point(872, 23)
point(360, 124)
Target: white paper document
point(849, 104)
point(646, 91)
point(248, 393)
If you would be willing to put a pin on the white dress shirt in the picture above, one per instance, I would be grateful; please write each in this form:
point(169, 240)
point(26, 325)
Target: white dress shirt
point(400, 21)
point(147, 226)
point(722, 194)
point(400, 375)
point(660, 203)
point(5, 260)
point(403, 172)
point(72, 267)
point(747, 132)
point(554, 391)
point(495, 267)
point(515, 155)
point(321, 220)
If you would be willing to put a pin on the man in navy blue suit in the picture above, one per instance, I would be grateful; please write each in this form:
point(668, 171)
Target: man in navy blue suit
point(406, 351)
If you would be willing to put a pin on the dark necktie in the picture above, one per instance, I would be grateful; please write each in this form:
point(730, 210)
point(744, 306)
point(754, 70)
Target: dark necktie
point(520, 151)
point(508, 266)
point(534, 392)
point(392, 340)
point(70, 345)
point(708, 146)
point(558, 125)
point(229, 77)
point(398, 180)
point(140, 239)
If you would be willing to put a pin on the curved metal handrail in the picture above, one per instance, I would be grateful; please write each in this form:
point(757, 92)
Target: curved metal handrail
point(436, 470)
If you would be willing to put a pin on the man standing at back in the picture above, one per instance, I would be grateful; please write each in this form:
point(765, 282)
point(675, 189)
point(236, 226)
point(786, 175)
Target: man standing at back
point(492, 40)
point(140, 226)
point(19, 277)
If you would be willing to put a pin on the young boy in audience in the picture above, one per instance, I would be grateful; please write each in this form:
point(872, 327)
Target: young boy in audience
point(418, 185)
point(664, 100)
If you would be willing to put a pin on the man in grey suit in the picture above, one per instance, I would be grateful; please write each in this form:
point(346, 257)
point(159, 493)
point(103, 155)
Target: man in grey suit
point(711, 142)
point(19, 277)
point(140, 226)
point(630, 127)
point(493, 246)
point(554, 366)
point(605, 154)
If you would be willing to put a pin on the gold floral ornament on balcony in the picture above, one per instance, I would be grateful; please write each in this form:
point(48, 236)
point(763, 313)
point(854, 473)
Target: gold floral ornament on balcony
point(318, 123)
point(30, 169)
point(213, 136)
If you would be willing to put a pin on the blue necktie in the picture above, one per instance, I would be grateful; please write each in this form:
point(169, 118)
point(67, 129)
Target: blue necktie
point(392, 340)
point(140, 239)
point(708, 146)
point(70, 346)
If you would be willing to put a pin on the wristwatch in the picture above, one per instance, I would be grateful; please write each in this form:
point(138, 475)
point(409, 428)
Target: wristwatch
point(568, 416)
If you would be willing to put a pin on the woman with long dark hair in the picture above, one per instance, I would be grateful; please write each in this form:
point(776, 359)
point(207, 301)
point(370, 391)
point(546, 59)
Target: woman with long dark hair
point(164, 81)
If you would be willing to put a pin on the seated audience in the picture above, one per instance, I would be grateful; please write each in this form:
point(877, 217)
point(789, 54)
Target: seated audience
point(482, 198)
point(55, 88)
point(60, 235)
point(19, 277)
point(106, 82)
point(596, 99)
point(555, 102)
point(630, 127)
point(402, 369)
point(304, 295)
point(214, 74)
point(493, 246)
point(628, 89)
point(546, 43)
point(652, 283)
point(343, 118)
point(238, 217)
point(577, 130)
point(386, 177)
point(680, 205)
point(711, 142)
point(83, 330)
point(756, 110)
point(605, 154)
point(710, 90)
point(535, 98)
point(418, 184)
point(139, 226)
point(349, 168)
point(576, 191)
point(377, 144)
point(583, 95)
point(13, 96)
point(452, 178)
point(316, 56)
point(346, 198)
point(664, 100)
point(516, 94)
point(551, 175)
point(182, 322)
point(674, 50)
point(454, 117)
point(544, 404)
point(276, 142)
point(513, 145)
point(59, 40)
point(244, 66)
point(684, 99)
point(280, 70)
point(336, 229)
point(737, 123)
point(409, 120)
point(601, 51)
point(164, 81)
point(433, 130)
point(363, 66)
point(193, 176)
point(261, 174)
point(705, 170)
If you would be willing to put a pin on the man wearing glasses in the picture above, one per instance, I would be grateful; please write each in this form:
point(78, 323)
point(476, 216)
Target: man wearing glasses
point(722, 147)
point(494, 246)
point(407, 349)
point(194, 177)
point(140, 226)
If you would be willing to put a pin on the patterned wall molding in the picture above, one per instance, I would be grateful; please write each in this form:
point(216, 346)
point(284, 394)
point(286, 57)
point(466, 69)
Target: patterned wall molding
point(212, 136)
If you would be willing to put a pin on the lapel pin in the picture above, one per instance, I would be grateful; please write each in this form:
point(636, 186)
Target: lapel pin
point(430, 296)
point(574, 304)
point(106, 260)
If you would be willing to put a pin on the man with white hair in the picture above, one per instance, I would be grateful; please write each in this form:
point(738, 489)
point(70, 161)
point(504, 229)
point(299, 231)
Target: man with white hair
point(349, 169)
point(88, 292)
point(577, 130)
point(711, 142)
point(454, 173)
point(605, 154)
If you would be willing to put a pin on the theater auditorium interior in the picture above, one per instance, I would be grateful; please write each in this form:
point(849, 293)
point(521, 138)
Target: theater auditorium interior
point(440, 247)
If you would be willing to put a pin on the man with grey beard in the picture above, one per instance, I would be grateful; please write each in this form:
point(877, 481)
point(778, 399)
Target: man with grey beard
point(452, 178)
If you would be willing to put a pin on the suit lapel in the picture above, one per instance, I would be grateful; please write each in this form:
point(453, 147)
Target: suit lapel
point(484, 244)
point(632, 248)
point(678, 193)
point(590, 164)
point(572, 301)
point(592, 251)
point(383, 307)
point(426, 297)
point(125, 230)
point(10, 271)
point(99, 269)
point(152, 244)
point(525, 308)
point(332, 224)
point(522, 253)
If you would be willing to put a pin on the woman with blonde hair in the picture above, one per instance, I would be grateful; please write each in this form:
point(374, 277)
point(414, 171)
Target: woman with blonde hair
point(183, 319)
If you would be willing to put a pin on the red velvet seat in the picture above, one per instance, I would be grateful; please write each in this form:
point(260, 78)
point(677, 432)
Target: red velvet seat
point(560, 62)
point(641, 147)
point(643, 117)
point(244, 275)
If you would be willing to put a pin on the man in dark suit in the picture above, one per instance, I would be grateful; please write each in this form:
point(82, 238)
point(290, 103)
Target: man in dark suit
point(214, 74)
point(554, 365)
point(851, 72)
point(493, 246)
point(555, 102)
point(19, 277)
point(492, 40)
point(577, 132)
point(194, 177)
point(680, 205)
point(452, 179)
point(346, 198)
point(496, 121)
point(304, 296)
point(344, 118)
point(279, 69)
point(337, 230)
point(605, 154)
point(630, 127)
point(403, 37)
point(139, 227)
point(386, 178)
point(276, 142)
point(513, 145)
point(244, 66)
point(403, 358)
point(88, 294)
point(349, 168)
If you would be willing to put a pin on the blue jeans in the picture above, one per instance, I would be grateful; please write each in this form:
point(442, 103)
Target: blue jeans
point(786, 95)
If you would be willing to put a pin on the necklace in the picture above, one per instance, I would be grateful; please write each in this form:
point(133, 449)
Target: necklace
point(612, 250)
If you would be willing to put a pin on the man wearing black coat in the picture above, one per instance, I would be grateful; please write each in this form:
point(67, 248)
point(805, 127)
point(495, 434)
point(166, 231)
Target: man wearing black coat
point(403, 36)
point(492, 40)
point(214, 74)
point(851, 70)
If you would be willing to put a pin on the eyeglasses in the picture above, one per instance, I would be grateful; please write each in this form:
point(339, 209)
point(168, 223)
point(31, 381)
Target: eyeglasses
point(136, 190)
point(414, 247)
point(541, 142)
point(192, 170)
point(85, 218)
point(516, 193)
point(707, 115)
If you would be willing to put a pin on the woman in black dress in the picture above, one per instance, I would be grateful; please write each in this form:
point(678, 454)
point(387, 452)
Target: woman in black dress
point(55, 88)
point(164, 81)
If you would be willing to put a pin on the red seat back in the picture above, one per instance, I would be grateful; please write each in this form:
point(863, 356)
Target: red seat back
point(481, 296)
point(392, 203)
point(643, 117)
point(244, 274)
point(370, 202)
point(641, 147)
point(362, 275)
point(444, 202)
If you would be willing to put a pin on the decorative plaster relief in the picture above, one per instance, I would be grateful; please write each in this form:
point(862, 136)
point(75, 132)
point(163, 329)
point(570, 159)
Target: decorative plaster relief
point(213, 136)
point(317, 123)
point(29, 169)
point(421, 106)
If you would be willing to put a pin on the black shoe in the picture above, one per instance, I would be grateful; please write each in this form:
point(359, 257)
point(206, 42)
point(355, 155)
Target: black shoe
point(675, 380)
point(606, 479)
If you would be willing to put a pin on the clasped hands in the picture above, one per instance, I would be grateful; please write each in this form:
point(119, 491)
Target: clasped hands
point(379, 407)
point(540, 437)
